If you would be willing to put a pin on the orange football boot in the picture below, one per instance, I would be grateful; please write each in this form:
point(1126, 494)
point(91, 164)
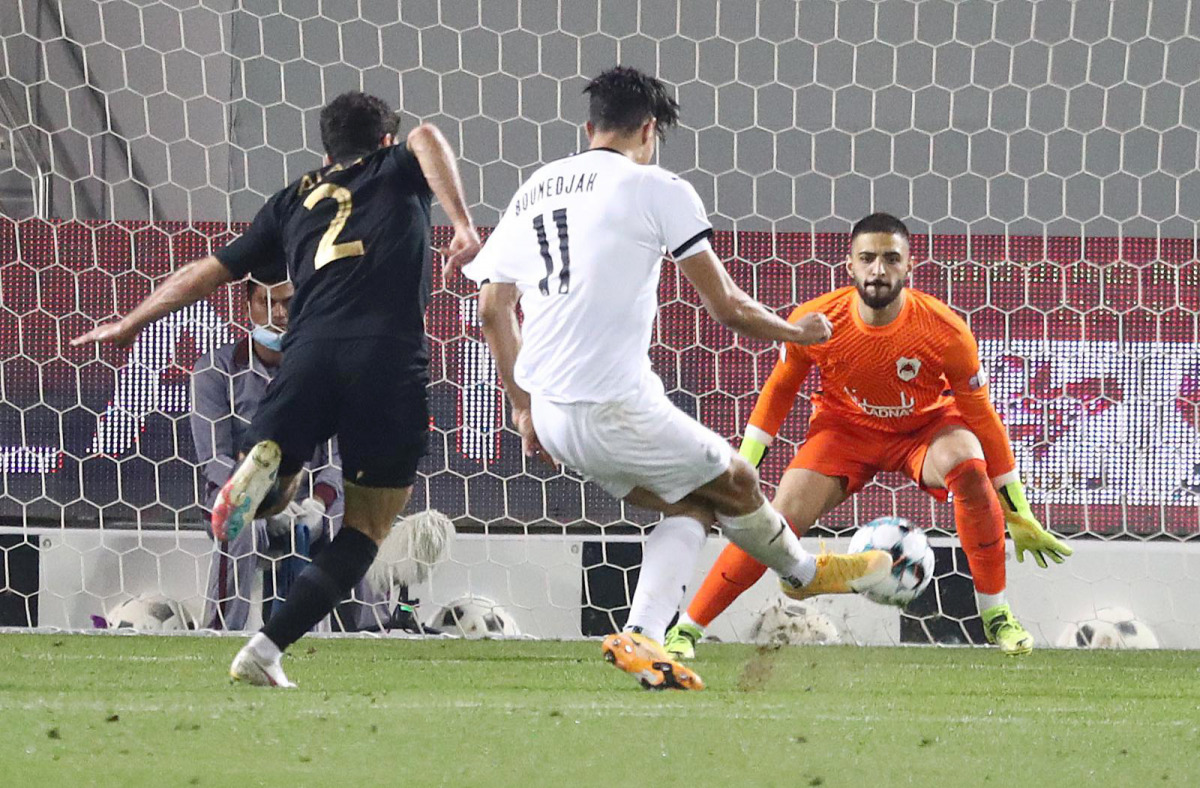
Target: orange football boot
point(646, 660)
point(843, 574)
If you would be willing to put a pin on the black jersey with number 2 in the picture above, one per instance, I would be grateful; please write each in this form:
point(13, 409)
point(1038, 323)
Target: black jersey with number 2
point(354, 239)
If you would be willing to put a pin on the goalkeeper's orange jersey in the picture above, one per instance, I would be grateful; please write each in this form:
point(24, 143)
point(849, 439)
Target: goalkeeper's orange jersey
point(897, 378)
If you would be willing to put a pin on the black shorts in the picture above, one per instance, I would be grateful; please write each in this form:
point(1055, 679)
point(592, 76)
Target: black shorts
point(365, 392)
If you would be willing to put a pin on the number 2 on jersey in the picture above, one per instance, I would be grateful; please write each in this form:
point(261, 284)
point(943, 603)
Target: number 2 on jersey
point(327, 250)
point(564, 252)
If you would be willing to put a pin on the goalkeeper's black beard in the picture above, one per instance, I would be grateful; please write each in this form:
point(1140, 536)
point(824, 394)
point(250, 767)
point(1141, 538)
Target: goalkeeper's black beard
point(882, 298)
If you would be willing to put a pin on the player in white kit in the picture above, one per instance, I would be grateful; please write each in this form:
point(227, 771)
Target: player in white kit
point(579, 248)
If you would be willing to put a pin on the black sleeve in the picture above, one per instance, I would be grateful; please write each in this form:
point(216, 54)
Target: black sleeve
point(259, 250)
point(409, 169)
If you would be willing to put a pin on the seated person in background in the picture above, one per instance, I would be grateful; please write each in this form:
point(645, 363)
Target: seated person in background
point(228, 383)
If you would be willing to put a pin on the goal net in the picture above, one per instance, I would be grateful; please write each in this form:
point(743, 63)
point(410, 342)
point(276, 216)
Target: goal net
point(1045, 155)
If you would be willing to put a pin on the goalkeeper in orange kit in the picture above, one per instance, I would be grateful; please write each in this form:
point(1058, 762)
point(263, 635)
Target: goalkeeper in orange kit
point(883, 406)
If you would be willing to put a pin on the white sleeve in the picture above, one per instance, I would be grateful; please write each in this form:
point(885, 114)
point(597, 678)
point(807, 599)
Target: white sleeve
point(488, 265)
point(677, 213)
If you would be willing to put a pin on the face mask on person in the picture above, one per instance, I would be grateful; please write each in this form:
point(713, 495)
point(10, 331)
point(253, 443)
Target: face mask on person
point(268, 338)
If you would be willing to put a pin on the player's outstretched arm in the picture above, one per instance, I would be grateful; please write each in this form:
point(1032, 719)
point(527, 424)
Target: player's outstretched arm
point(774, 403)
point(498, 316)
point(186, 286)
point(437, 161)
point(730, 306)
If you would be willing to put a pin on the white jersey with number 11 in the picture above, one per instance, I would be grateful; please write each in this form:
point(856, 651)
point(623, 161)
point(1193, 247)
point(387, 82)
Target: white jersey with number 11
point(583, 239)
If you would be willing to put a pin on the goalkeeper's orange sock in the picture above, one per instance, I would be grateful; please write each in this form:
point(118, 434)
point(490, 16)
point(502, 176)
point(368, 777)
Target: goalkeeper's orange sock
point(980, 524)
point(734, 572)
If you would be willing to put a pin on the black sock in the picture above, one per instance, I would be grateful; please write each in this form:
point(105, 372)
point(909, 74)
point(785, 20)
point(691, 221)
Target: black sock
point(321, 586)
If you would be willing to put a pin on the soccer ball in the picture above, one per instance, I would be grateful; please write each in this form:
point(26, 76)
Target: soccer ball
point(150, 614)
point(1113, 627)
point(912, 559)
point(787, 622)
point(476, 617)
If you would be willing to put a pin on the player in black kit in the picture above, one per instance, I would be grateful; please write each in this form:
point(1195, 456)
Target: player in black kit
point(353, 237)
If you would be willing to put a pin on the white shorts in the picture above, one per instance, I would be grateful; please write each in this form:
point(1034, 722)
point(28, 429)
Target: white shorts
point(643, 442)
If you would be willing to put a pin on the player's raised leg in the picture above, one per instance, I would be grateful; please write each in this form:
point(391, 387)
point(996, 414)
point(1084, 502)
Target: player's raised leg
point(370, 513)
point(382, 423)
point(295, 414)
point(803, 496)
point(735, 500)
point(749, 521)
point(760, 530)
point(293, 417)
point(256, 489)
point(954, 461)
point(648, 452)
point(831, 464)
point(753, 525)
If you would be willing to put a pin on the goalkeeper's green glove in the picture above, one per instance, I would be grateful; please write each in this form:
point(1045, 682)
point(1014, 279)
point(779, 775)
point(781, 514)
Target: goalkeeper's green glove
point(753, 450)
point(1027, 533)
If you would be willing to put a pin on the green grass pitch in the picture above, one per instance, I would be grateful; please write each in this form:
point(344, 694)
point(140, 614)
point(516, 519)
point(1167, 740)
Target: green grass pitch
point(132, 711)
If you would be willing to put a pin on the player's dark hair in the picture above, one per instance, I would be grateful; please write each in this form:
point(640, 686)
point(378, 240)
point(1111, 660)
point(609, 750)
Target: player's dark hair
point(623, 98)
point(252, 284)
point(879, 223)
point(353, 124)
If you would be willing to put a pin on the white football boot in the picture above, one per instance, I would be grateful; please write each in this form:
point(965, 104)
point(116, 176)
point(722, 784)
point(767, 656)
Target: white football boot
point(250, 668)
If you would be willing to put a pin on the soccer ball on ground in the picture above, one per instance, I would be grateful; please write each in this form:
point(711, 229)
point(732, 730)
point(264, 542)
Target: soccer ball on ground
point(150, 614)
point(1113, 627)
point(476, 617)
point(787, 622)
point(912, 559)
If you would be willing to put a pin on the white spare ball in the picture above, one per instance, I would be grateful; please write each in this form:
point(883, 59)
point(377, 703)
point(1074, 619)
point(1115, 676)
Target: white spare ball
point(1113, 627)
point(150, 614)
point(476, 617)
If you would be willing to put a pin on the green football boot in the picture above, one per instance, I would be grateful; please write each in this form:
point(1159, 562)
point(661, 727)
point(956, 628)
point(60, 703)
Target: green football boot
point(1003, 629)
point(681, 641)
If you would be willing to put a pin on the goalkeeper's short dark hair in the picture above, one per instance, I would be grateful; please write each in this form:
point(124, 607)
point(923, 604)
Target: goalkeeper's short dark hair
point(879, 223)
point(353, 124)
point(623, 98)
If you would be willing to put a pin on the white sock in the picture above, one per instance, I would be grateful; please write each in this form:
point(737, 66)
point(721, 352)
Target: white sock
point(668, 561)
point(264, 647)
point(988, 601)
point(685, 619)
point(767, 538)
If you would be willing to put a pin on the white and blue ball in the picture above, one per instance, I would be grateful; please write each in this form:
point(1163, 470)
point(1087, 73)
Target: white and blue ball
point(912, 559)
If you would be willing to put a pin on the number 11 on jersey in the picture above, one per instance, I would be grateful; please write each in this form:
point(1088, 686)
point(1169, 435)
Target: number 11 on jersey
point(564, 252)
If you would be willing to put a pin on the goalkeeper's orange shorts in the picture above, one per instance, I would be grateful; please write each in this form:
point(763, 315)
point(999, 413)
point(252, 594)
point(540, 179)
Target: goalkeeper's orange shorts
point(836, 447)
